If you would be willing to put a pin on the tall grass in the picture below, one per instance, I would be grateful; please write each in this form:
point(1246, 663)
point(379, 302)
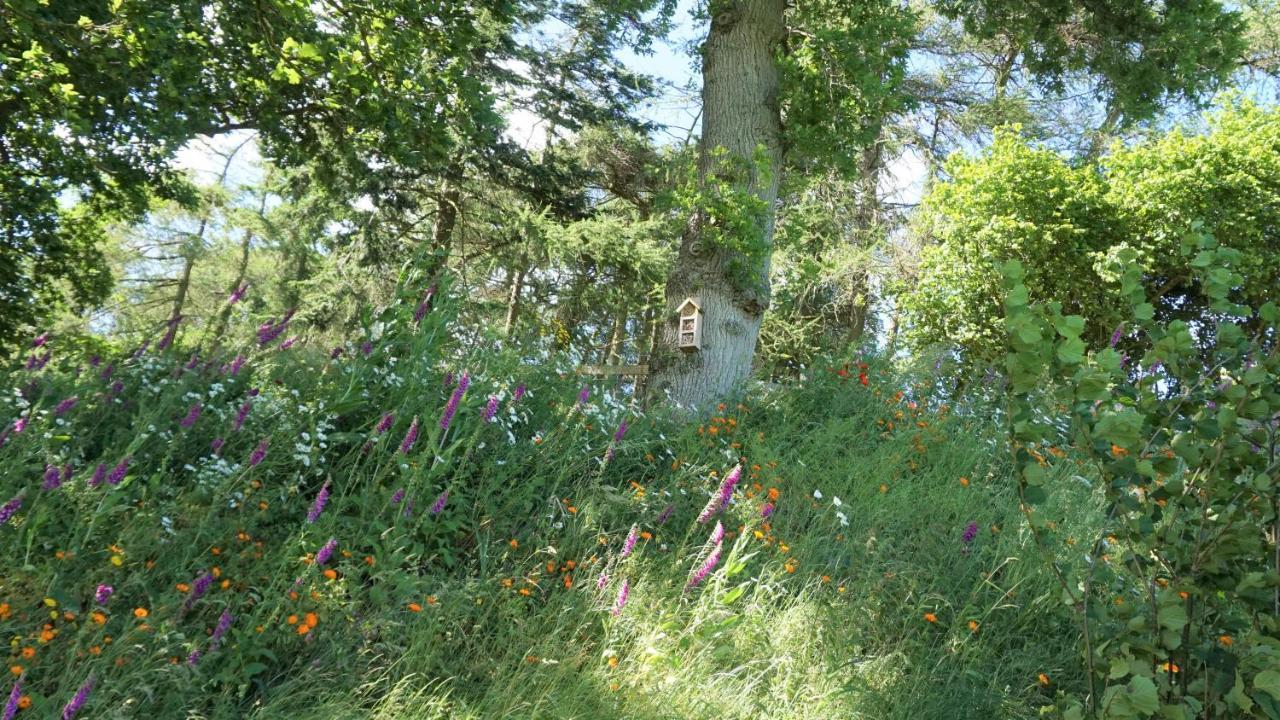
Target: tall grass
point(858, 597)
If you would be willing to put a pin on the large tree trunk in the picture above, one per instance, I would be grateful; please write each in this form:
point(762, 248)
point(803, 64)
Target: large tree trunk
point(740, 113)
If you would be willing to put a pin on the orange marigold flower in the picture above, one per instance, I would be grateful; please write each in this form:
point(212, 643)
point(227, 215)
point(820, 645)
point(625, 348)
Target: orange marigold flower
point(964, 482)
point(95, 650)
point(331, 573)
point(304, 629)
point(514, 543)
point(292, 619)
point(98, 617)
point(524, 591)
point(973, 626)
point(1225, 640)
point(368, 560)
point(931, 617)
point(140, 612)
point(568, 581)
point(28, 652)
point(17, 669)
point(415, 607)
point(646, 534)
point(1043, 680)
point(613, 661)
point(431, 599)
point(24, 702)
point(311, 619)
point(182, 587)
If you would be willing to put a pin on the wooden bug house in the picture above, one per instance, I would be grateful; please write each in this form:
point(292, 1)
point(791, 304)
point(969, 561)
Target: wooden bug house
point(690, 339)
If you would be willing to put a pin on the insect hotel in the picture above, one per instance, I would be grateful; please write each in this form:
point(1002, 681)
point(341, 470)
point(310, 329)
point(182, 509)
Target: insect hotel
point(690, 339)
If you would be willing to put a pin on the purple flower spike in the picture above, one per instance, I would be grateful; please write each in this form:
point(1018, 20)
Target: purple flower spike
point(621, 602)
point(424, 306)
point(103, 594)
point(630, 543)
point(970, 532)
point(11, 707)
point(452, 406)
point(665, 515)
point(119, 472)
point(99, 474)
point(238, 294)
point(237, 364)
point(438, 505)
point(767, 511)
point(326, 552)
point(77, 702)
point(602, 581)
point(622, 430)
point(410, 437)
point(40, 341)
point(10, 508)
point(491, 409)
point(385, 423)
point(1115, 336)
point(519, 393)
point(241, 415)
point(717, 534)
point(216, 445)
point(199, 587)
point(584, 394)
point(192, 416)
point(65, 406)
point(19, 425)
point(397, 497)
point(317, 507)
point(52, 478)
point(259, 453)
point(705, 569)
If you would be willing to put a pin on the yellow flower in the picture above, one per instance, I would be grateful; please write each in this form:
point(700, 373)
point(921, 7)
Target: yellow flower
point(117, 560)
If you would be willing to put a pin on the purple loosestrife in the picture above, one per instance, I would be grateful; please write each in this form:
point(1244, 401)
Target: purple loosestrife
point(705, 569)
point(107, 372)
point(192, 416)
point(424, 306)
point(630, 543)
point(241, 415)
point(385, 423)
point(602, 581)
point(40, 341)
point(19, 425)
point(366, 348)
point(224, 624)
point(259, 453)
point(397, 497)
point(77, 702)
point(169, 334)
point(584, 394)
point(216, 445)
point(621, 601)
point(238, 294)
point(195, 360)
point(99, 474)
point(317, 507)
point(289, 343)
point(326, 552)
point(622, 430)
point(665, 515)
point(52, 478)
point(519, 393)
point(410, 437)
point(11, 707)
point(65, 406)
point(970, 532)
point(438, 505)
point(452, 406)
point(1115, 336)
point(491, 409)
point(199, 587)
point(237, 364)
point(408, 509)
point(717, 534)
point(767, 511)
point(10, 508)
point(103, 594)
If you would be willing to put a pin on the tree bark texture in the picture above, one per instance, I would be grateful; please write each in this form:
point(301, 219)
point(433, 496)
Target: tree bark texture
point(740, 113)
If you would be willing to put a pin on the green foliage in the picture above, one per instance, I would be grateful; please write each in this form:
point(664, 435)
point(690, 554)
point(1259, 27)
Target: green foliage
point(1068, 225)
point(1145, 55)
point(1178, 593)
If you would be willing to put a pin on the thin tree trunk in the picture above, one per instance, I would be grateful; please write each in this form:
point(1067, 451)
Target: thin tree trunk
point(447, 208)
point(513, 297)
point(242, 269)
point(613, 351)
point(741, 116)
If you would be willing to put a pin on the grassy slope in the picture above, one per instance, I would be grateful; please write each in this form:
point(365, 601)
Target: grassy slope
point(809, 618)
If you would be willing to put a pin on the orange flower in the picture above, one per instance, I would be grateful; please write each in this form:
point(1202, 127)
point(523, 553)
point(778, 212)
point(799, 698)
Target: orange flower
point(964, 482)
point(262, 505)
point(1043, 680)
point(973, 626)
point(304, 629)
point(931, 617)
point(95, 650)
point(1225, 640)
point(415, 607)
point(613, 661)
point(331, 573)
point(568, 581)
point(28, 652)
point(98, 617)
point(1184, 595)
point(645, 534)
point(140, 612)
point(182, 587)
point(524, 591)
point(292, 619)
point(311, 619)
point(1170, 667)
point(514, 543)
point(773, 494)
point(368, 560)
point(224, 584)
point(431, 599)
point(17, 669)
